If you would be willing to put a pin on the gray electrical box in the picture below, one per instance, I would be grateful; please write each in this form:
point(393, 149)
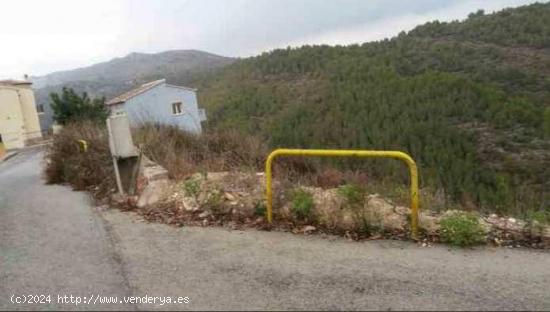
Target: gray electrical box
point(120, 137)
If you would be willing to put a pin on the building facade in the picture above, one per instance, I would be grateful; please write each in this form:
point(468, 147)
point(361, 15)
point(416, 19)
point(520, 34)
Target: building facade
point(19, 121)
point(159, 102)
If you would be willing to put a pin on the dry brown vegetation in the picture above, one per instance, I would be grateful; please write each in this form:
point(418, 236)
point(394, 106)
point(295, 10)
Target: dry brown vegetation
point(93, 170)
point(183, 153)
point(217, 183)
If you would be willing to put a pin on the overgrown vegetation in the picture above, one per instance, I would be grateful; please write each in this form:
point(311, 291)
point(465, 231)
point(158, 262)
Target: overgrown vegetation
point(536, 222)
point(462, 229)
point(92, 171)
point(354, 197)
point(191, 187)
point(465, 99)
point(302, 204)
point(213, 202)
point(183, 153)
point(180, 152)
point(353, 194)
point(260, 209)
point(236, 198)
point(69, 107)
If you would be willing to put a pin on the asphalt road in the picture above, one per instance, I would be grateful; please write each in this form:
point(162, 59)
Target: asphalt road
point(53, 241)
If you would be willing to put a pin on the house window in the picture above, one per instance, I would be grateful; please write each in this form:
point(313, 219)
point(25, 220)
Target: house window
point(176, 108)
point(40, 109)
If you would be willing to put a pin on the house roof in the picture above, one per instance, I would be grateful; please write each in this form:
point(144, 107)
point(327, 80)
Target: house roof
point(130, 94)
point(181, 87)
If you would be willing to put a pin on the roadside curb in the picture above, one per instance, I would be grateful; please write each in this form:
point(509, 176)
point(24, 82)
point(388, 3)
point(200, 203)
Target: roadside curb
point(44, 143)
point(8, 156)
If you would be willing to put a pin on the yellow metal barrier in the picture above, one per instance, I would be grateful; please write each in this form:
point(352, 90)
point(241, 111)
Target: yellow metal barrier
point(347, 153)
point(83, 146)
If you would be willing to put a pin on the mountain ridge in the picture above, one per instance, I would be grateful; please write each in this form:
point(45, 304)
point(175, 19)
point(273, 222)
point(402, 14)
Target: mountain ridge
point(86, 73)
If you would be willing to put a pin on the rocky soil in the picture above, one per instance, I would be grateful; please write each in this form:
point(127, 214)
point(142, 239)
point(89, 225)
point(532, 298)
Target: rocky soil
point(237, 200)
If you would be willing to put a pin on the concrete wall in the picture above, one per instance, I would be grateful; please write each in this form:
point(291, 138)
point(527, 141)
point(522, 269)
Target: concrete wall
point(155, 105)
point(18, 117)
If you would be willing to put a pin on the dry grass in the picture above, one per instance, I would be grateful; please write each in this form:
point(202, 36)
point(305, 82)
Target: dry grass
point(93, 170)
point(180, 152)
point(184, 154)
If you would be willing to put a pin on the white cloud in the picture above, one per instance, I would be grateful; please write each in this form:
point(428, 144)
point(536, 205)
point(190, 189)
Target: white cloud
point(391, 26)
point(42, 36)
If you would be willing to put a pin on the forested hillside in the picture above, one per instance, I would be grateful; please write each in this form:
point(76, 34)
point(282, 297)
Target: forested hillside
point(469, 100)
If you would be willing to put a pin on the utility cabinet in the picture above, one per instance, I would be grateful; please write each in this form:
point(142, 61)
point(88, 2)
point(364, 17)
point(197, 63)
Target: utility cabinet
point(125, 155)
point(120, 137)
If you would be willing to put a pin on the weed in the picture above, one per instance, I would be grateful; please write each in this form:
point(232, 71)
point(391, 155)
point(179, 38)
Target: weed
point(462, 229)
point(192, 187)
point(353, 194)
point(259, 209)
point(181, 152)
point(367, 228)
point(302, 204)
point(214, 202)
point(536, 221)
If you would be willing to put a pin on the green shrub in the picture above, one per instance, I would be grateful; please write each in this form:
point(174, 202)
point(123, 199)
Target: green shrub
point(259, 209)
point(542, 217)
point(353, 194)
point(302, 204)
point(536, 221)
point(462, 229)
point(214, 202)
point(369, 227)
point(192, 187)
point(69, 107)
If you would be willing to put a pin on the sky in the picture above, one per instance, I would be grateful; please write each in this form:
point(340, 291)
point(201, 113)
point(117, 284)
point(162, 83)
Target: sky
point(42, 36)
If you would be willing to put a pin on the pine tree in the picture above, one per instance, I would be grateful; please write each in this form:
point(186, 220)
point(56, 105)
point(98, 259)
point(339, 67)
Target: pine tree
point(71, 107)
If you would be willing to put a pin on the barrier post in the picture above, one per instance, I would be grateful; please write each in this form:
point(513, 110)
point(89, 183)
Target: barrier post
point(413, 172)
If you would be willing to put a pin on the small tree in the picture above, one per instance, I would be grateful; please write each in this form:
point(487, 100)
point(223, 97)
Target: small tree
point(71, 107)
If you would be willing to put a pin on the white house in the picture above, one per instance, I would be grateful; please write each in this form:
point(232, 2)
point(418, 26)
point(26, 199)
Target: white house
point(160, 102)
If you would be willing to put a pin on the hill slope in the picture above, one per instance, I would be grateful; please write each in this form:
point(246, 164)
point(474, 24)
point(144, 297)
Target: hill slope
point(466, 99)
point(136, 66)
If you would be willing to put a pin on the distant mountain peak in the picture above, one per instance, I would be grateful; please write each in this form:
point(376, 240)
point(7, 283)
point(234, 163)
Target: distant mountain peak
point(121, 69)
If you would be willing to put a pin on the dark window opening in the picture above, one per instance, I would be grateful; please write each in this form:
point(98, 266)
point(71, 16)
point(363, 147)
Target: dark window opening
point(176, 108)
